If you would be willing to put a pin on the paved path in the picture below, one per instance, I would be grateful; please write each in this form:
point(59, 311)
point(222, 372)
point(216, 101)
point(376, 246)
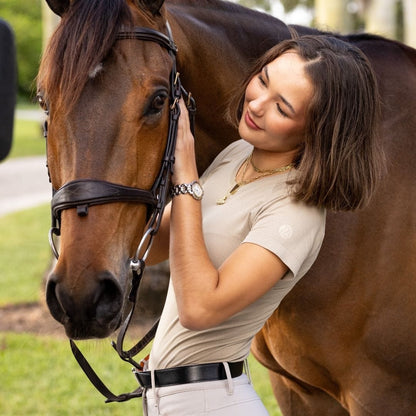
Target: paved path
point(24, 181)
point(24, 184)
point(36, 115)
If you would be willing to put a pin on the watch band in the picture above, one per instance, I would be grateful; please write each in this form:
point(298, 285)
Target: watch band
point(194, 189)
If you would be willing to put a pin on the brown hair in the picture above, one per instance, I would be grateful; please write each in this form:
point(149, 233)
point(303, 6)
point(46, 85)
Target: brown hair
point(341, 160)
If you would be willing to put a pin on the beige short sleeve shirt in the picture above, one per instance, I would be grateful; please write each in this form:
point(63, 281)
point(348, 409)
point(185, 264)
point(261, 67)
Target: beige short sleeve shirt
point(261, 213)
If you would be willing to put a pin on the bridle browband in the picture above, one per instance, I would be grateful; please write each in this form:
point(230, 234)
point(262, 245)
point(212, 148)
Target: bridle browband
point(83, 193)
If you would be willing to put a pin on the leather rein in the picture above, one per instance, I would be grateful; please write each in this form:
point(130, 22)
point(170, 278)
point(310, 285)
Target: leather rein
point(83, 193)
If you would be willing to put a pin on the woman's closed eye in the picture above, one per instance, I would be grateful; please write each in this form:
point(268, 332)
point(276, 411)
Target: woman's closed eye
point(262, 81)
point(281, 111)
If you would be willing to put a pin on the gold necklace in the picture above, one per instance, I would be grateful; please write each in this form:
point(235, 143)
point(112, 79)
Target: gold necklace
point(270, 171)
point(263, 173)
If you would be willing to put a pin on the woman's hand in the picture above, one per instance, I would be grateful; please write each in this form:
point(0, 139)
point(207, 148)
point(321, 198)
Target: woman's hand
point(184, 169)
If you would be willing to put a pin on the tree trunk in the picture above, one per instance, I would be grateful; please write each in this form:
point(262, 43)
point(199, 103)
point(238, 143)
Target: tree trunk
point(333, 16)
point(49, 22)
point(409, 12)
point(381, 18)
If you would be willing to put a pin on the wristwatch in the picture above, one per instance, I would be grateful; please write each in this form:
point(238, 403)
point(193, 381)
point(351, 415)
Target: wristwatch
point(194, 189)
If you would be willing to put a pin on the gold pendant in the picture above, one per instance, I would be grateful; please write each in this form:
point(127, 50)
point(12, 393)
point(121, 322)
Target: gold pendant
point(222, 200)
point(234, 189)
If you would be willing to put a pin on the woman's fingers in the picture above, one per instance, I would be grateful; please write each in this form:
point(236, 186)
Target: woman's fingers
point(183, 123)
point(184, 168)
point(185, 138)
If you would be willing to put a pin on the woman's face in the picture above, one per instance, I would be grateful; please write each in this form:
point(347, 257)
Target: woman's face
point(275, 105)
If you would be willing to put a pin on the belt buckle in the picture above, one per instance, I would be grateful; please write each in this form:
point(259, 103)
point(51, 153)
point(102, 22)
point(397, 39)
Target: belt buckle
point(137, 373)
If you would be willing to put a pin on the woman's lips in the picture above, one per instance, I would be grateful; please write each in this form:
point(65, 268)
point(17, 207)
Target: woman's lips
point(250, 123)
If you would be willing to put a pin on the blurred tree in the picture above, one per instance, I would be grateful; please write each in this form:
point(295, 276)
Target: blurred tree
point(381, 17)
point(261, 4)
point(50, 20)
point(409, 20)
point(290, 5)
point(25, 19)
point(333, 16)
point(394, 19)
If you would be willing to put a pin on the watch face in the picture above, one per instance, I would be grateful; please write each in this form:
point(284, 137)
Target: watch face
point(197, 190)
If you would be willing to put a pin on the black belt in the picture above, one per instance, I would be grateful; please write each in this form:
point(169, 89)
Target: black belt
point(189, 374)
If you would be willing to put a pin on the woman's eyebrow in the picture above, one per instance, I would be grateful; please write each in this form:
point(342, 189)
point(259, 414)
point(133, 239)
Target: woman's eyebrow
point(286, 102)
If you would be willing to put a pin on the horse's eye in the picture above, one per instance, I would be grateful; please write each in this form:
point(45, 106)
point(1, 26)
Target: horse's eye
point(157, 103)
point(42, 103)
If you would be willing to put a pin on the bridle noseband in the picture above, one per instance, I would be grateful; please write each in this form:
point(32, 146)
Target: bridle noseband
point(83, 193)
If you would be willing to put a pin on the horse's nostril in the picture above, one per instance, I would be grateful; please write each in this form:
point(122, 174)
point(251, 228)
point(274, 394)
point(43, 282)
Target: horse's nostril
point(53, 302)
point(108, 301)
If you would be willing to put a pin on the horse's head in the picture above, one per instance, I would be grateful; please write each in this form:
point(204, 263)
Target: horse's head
point(107, 92)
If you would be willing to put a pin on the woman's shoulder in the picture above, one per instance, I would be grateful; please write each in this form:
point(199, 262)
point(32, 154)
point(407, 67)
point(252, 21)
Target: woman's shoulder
point(282, 203)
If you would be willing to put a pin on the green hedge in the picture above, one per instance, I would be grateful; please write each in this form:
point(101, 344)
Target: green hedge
point(25, 18)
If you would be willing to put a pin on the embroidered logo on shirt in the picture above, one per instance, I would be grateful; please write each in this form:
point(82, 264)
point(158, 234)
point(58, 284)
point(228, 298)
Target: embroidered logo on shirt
point(285, 231)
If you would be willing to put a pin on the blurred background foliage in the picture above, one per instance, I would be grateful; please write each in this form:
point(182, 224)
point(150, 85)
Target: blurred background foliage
point(290, 5)
point(25, 17)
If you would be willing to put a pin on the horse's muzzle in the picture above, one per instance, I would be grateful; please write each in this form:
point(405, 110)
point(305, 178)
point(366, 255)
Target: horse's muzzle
point(94, 312)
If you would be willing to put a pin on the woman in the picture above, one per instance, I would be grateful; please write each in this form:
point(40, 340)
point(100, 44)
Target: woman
point(306, 116)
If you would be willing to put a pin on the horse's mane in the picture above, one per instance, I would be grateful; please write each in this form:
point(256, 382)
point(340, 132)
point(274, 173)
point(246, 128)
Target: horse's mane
point(220, 7)
point(210, 4)
point(85, 35)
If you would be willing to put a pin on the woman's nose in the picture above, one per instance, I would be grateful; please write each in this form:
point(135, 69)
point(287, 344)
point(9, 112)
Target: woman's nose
point(256, 106)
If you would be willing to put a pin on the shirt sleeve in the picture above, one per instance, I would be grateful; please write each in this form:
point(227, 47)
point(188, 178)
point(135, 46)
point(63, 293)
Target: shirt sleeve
point(292, 231)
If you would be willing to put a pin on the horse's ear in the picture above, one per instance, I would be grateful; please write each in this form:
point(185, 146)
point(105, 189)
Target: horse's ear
point(153, 6)
point(59, 7)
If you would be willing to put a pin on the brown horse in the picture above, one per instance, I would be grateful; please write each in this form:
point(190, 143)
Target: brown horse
point(343, 341)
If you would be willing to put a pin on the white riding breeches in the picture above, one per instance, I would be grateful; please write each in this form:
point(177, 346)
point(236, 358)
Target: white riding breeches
point(230, 397)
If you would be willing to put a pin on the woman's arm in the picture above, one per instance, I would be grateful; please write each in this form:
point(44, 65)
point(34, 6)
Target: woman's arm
point(206, 296)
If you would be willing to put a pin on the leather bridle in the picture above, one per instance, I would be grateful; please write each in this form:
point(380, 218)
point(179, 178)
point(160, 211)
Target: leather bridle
point(83, 193)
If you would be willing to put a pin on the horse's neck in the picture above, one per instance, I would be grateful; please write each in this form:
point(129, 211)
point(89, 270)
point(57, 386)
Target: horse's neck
point(217, 43)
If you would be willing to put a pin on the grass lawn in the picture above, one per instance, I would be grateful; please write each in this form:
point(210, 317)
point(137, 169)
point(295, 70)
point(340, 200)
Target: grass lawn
point(27, 139)
point(41, 378)
point(24, 254)
point(38, 375)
